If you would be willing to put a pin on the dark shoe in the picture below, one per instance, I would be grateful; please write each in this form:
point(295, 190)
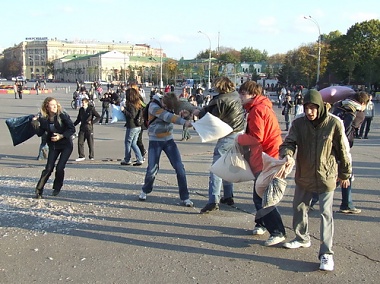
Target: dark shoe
point(210, 207)
point(56, 192)
point(38, 194)
point(124, 163)
point(350, 211)
point(137, 164)
point(365, 137)
point(229, 201)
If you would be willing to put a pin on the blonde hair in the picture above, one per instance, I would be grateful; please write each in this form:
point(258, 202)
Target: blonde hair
point(224, 85)
point(45, 104)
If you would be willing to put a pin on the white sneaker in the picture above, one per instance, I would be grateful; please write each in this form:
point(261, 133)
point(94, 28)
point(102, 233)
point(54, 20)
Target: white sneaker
point(327, 262)
point(274, 240)
point(142, 196)
point(80, 159)
point(259, 231)
point(187, 203)
point(296, 244)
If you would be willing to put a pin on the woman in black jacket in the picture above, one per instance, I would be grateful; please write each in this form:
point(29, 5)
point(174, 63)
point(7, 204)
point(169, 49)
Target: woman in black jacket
point(133, 114)
point(59, 128)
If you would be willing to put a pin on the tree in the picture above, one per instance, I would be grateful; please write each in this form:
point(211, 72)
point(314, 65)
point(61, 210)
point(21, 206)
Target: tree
point(355, 57)
point(248, 54)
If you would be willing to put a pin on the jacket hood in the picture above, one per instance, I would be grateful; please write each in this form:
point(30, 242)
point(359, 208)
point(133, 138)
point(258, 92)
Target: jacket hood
point(314, 97)
point(259, 100)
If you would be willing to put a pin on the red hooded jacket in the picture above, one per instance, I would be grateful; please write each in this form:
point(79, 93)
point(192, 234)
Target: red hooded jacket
point(263, 133)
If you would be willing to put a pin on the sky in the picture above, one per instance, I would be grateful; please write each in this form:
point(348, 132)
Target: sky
point(276, 26)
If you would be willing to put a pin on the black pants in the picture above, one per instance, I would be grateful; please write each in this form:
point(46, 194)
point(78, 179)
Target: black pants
point(82, 137)
point(140, 144)
point(64, 155)
point(271, 221)
point(105, 111)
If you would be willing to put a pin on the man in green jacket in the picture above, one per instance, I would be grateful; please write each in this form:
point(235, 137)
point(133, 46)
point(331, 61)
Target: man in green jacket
point(323, 157)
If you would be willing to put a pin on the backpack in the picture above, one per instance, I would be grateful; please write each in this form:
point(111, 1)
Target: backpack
point(145, 113)
point(139, 120)
point(347, 116)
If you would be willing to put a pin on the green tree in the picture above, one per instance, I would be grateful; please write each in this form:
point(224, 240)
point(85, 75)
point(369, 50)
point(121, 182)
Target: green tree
point(249, 54)
point(355, 57)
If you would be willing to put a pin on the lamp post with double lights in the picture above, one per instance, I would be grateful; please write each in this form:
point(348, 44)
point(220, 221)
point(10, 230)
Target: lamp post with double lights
point(310, 18)
point(209, 61)
point(161, 82)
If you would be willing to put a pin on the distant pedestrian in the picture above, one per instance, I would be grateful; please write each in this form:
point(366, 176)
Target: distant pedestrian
point(369, 115)
point(87, 117)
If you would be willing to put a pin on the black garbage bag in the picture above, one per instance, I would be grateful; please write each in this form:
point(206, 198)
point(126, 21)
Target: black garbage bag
point(20, 128)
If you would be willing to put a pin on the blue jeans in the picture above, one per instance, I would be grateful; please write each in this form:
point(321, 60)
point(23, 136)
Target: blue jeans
point(154, 153)
point(130, 142)
point(271, 221)
point(347, 198)
point(215, 182)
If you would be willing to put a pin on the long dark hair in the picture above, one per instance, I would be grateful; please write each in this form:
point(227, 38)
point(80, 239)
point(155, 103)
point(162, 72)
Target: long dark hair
point(132, 97)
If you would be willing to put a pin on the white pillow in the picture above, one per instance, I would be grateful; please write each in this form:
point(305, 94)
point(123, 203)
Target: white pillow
point(211, 128)
point(232, 166)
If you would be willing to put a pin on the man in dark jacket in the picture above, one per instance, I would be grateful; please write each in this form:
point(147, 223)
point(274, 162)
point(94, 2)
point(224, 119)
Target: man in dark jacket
point(228, 108)
point(351, 111)
point(320, 142)
point(87, 116)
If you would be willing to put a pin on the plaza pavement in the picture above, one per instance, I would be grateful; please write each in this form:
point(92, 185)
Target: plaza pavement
point(96, 231)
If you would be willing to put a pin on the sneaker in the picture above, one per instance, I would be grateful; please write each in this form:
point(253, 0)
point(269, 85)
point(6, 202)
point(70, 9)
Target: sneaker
point(296, 244)
point(56, 192)
point(187, 203)
point(365, 137)
point(142, 196)
point(229, 201)
point(258, 230)
point(80, 159)
point(210, 207)
point(124, 163)
point(274, 240)
point(350, 211)
point(137, 164)
point(327, 262)
point(92, 159)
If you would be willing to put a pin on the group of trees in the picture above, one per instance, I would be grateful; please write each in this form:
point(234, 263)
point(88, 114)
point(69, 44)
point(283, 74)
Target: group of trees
point(350, 59)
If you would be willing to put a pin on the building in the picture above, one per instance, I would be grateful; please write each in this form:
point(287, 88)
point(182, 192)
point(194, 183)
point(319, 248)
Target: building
point(33, 55)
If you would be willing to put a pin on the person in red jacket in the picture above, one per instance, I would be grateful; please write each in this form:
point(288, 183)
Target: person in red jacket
point(263, 134)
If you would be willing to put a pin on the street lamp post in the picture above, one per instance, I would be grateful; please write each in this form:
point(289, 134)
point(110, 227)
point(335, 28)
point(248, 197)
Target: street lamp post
point(310, 18)
point(209, 61)
point(161, 82)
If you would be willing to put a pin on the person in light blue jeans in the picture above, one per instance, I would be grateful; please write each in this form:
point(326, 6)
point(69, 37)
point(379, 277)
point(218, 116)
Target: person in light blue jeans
point(133, 115)
point(130, 143)
point(227, 107)
point(161, 117)
point(215, 182)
